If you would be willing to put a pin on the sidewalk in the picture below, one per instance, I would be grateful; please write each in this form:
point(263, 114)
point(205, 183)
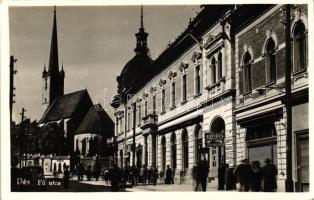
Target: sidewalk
point(170, 188)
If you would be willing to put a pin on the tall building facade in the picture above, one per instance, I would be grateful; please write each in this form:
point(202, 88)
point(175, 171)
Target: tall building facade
point(53, 78)
point(189, 103)
point(260, 107)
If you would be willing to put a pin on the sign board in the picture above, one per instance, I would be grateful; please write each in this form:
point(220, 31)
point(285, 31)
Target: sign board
point(214, 139)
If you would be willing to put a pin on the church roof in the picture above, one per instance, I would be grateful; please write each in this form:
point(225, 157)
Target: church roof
point(96, 121)
point(63, 106)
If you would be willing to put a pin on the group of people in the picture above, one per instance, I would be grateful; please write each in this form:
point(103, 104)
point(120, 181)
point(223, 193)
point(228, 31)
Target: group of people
point(256, 178)
point(89, 172)
point(200, 173)
point(251, 177)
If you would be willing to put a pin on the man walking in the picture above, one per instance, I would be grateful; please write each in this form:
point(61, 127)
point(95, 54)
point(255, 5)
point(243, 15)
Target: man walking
point(269, 176)
point(244, 174)
point(168, 179)
point(202, 173)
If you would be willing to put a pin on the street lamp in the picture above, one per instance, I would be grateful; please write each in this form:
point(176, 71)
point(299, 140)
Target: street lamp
point(287, 24)
point(117, 101)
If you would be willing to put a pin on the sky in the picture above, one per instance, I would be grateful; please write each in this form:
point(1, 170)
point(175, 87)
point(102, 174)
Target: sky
point(95, 42)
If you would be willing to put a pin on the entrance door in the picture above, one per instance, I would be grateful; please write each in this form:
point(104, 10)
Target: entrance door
point(303, 163)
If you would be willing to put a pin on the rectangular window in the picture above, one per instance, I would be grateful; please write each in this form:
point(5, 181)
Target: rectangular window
point(129, 120)
point(154, 104)
point(197, 80)
point(173, 97)
point(163, 96)
point(145, 105)
point(184, 88)
point(139, 115)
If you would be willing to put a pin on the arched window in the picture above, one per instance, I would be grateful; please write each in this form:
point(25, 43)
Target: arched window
point(163, 153)
point(198, 143)
point(84, 146)
point(213, 70)
point(185, 149)
point(77, 145)
point(163, 97)
point(247, 72)
point(173, 151)
point(270, 61)
point(299, 46)
point(219, 66)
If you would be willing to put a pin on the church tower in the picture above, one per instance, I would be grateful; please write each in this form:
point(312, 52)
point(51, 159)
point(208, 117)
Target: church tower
point(53, 79)
point(141, 38)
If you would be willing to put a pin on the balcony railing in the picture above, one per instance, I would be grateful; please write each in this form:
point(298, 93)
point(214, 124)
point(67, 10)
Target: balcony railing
point(149, 121)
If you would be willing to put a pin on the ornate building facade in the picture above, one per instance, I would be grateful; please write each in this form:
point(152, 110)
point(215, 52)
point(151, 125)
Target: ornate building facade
point(188, 104)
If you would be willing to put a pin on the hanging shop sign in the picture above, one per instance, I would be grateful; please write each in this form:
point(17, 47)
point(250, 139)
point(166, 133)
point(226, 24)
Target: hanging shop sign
point(214, 139)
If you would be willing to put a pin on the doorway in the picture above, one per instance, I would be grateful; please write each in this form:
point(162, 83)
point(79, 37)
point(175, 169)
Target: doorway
point(303, 161)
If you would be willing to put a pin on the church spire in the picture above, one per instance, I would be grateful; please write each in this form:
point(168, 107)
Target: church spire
point(141, 38)
point(53, 59)
point(142, 24)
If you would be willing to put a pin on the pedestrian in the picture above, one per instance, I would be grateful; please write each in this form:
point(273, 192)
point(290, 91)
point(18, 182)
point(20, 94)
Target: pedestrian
point(145, 175)
point(135, 174)
point(195, 176)
point(169, 178)
point(154, 175)
point(229, 178)
point(257, 176)
point(221, 177)
point(141, 174)
point(97, 171)
point(66, 177)
point(202, 172)
point(80, 171)
point(115, 175)
point(89, 173)
point(269, 176)
point(244, 174)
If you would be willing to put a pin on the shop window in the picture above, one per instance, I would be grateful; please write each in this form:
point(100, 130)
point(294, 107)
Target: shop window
point(198, 144)
point(299, 46)
point(163, 153)
point(173, 151)
point(185, 153)
point(262, 143)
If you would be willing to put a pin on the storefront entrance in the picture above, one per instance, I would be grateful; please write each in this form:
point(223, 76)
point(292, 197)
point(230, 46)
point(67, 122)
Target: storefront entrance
point(215, 140)
point(303, 161)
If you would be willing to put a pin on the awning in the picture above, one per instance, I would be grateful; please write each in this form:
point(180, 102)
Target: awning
point(193, 117)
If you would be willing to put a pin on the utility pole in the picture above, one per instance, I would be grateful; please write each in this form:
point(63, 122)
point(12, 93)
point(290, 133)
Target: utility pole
point(287, 24)
point(22, 134)
point(12, 88)
point(133, 136)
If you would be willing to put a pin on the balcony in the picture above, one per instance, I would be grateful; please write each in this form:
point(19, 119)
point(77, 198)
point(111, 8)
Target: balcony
point(150, 121)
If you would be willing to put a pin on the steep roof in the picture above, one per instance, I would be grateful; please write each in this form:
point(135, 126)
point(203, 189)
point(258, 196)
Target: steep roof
point(63, 106)
point(96, 121)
